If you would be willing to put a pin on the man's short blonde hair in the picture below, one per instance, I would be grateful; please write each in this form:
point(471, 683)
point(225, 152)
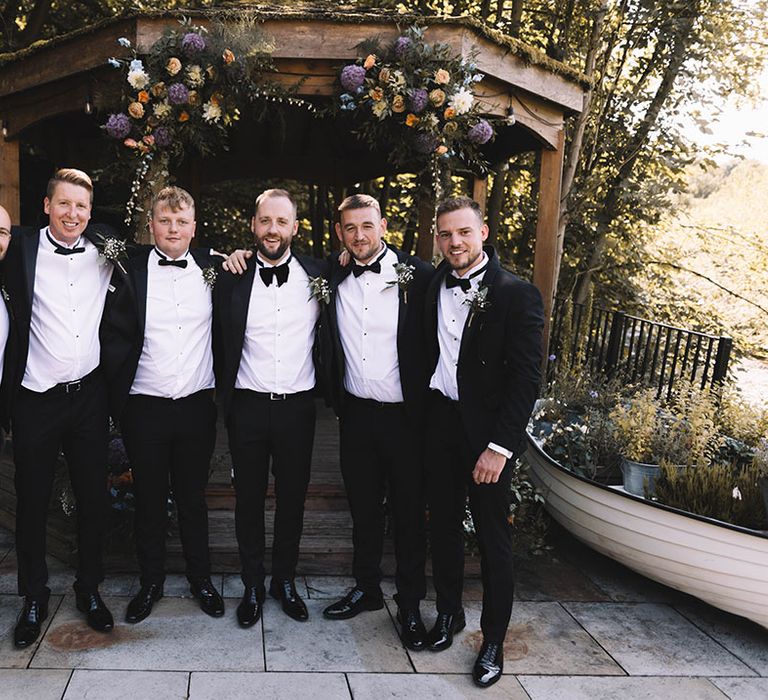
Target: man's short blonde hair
point(174, 198)
point(71, 176)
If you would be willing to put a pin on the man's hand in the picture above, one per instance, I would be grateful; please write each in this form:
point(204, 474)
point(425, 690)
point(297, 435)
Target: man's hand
point(344, 257)
point(489, 467)
point(236, 261)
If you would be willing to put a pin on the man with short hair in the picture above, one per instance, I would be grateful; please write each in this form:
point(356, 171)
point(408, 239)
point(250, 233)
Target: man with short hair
point(5, 239)
point(57, 282)
point(484, 333)
point(271, 323)
point(158, 360)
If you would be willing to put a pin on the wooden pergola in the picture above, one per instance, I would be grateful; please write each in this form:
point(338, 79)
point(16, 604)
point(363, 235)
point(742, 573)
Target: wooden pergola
point(46, 97)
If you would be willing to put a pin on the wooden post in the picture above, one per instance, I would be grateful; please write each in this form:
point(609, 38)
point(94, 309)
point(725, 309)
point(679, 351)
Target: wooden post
point(425, 245)
point(9, 179)
point(480, 191)
point(547, 252)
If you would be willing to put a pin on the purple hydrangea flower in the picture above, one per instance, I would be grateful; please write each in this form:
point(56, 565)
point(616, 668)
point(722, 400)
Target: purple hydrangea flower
point(192, 44)
point(352, 77)
point(118, 126)
point(178, 94)
point(480, 133)
point(418, 100)
point(425, 143)
point(402, 44)
point(163, 137)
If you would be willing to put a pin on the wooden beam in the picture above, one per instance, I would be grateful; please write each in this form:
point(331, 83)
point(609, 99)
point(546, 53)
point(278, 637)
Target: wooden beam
point(425, 245)
point(9, 178)
point(480, 191)
point(546, 261)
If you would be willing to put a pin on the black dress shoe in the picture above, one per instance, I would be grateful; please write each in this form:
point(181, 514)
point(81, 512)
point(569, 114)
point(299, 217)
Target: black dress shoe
point(141, 604)
point(412, 631)
point(96, 613)
point(211, 603)
point(441, 635)
point(355, 602)
point(30, 619)
point(489, 664)
point(293, 606)
point(249, 610)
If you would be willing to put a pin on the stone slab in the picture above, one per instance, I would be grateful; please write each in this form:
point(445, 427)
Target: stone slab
point(549, 578)
point(591, 688)
point(652, 639)
point(542, 638)
point(40, 685)
point(334, 587)
point(127, 685)
point(177, 585)
point(60, 576)
point(367, 643)
point(268, 686)
point(373, 686)
point(10, 606)
point(177, 636)
point(743, 688)
point(233, 586)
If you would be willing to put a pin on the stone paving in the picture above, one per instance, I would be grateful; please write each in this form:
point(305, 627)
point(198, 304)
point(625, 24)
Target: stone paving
point(583, 627)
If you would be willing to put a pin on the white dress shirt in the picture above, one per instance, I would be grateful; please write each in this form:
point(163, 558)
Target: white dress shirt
point(367, 310)
point(279, 333)
point(67, 305)
point(452, 314)
point(176, 359)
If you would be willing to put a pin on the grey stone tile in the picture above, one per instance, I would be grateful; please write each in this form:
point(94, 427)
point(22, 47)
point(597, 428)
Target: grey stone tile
point(655, 640)
point(127, 685)
point(7, 537)
point(233, 586)
point(268, 686)
point(743, 638)
point(591, 688)
point(60, 575)
point(542, 638)
point(333, 587)
point(550, 578)
point(119, 584)
point(743, 688)
point(10, 657)
point(177, 636)
point(40, 685)
point(366, 643)
point(177, 586)
point(373, 686)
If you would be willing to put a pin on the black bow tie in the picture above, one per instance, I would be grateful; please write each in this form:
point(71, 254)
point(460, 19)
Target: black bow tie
point(374, 267)
point(165, 262)
point(463, 282)
point(63, 250)
point(276, 272)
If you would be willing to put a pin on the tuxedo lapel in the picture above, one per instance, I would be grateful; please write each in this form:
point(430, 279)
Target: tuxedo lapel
point(433, 292)
point(241, 297)
point(30, 244)
point(474, 321)
point(140, 280)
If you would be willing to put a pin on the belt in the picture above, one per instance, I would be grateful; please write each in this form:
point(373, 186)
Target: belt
point(438, 395)
point(273, 396)
point(74, 386)
point(374, 402)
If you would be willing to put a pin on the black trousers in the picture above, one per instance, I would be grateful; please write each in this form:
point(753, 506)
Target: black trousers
point(76, 423)
point(381, 452)
point(261, 430)
point(170, 442)
point(449, 465)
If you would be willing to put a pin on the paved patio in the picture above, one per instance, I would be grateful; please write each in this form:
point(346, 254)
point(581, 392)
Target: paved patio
point(582, 627)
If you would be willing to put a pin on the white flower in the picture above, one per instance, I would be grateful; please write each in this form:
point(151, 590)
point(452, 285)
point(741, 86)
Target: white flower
point(736, 493)
point(136, 65)
point(195, 77)
point(137, 79)
point(477, 77)
point(113, 62)
point(429, 120)
point(125, 42)
point(380, 109)
point(398, 79)
point(462, 100)
point(211, 112)
point(162, 110)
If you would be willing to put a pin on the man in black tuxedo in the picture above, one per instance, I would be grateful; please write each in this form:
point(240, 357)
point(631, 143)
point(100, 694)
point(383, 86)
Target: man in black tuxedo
point(484, 327)
point(377, 314)
point(57, 283)
point(270, 356)
point(5, 328)
point(157, 337)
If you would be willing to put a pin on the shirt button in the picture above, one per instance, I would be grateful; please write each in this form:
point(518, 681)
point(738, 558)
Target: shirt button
point(365, 309)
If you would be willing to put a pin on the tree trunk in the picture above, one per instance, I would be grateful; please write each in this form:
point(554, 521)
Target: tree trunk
point(35, 21)
point(496, 200)
point(516, 16)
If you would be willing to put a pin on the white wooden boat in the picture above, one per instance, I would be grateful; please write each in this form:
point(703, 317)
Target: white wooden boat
point(722, 564)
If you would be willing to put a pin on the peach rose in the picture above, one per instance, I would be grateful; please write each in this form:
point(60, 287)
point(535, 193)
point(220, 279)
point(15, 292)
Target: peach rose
point(377, 94)
point(437, 97)
point(441, 150)
point(228, 56)
point(136, 110)
point(412, 120)
point(184, 116)
point(398, 104)
point(158, 89)
point(131, 143)
point(370, 61)
point(384, 74)
point(173, 66)
point(442, 76)
point(449, 113)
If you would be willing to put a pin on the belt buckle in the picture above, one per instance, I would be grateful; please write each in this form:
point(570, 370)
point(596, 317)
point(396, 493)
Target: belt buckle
point(277, 397)
point(73, 387)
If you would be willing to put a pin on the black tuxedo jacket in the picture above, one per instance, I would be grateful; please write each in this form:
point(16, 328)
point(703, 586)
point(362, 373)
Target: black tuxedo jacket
point(411, 346)
point(500, 357)
point(231, 301)
point(9, 361)
point(124, 320)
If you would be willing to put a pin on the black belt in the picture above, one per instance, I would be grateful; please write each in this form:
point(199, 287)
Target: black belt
point(272, 396)
point(438, 395)
point(74, 386)
point(373, 402)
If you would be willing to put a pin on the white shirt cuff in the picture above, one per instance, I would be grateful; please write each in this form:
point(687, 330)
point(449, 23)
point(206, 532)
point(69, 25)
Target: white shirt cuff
point(501, 450)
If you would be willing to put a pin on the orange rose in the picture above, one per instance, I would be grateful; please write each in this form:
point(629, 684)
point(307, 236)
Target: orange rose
point(228, 56)
point(398, 104)
point(377, 94)
point(440, 150)
point(143, 97)
point(131, 143)
point(136, 110)
point(183, 117)
point(412, 120)
point(449, 113)
point(370, 61)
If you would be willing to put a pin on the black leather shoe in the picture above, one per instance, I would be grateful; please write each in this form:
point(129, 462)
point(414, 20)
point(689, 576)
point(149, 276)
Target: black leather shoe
point(355, 602)
point(96, 613)
point(489, 664)
point(293, 606)
point(28, 625)
point(249, 610)
point(141, 604)
point(441, 635)
point(412, 631)
point(211, 602)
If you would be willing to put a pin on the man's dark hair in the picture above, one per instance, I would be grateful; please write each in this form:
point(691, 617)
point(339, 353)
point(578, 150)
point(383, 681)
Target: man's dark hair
point(455, 203)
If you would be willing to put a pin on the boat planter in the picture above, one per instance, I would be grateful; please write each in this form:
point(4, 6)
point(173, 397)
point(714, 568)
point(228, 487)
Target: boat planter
point(722, 564)
point(637, 475)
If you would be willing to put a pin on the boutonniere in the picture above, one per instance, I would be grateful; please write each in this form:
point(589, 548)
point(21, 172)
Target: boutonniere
point(319, 289)
point(5, 294)
point(478, 302)
point(210, 274)
point(404, 273)
point(114, 250)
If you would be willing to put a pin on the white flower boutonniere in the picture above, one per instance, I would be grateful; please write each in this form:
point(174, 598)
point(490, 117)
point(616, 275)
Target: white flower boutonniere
point(210, 274)
point(114, 250)
point(319, 289)
point(478, 303)
point(404, 273)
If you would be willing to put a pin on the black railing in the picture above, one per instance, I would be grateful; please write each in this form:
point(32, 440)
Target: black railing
point(638, 350)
